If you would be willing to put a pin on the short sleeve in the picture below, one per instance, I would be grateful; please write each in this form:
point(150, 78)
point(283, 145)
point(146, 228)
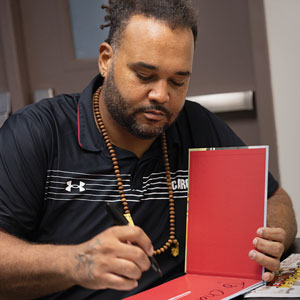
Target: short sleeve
point(23, 169)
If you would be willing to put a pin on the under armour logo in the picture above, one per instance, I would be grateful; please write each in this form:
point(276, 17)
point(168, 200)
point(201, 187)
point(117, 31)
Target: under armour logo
point(79, 186)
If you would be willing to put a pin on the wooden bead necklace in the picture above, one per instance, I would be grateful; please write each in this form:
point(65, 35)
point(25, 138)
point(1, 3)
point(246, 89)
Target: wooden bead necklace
point(172, 240)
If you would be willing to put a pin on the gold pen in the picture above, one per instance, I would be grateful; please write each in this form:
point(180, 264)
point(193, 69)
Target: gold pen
point(114, 210)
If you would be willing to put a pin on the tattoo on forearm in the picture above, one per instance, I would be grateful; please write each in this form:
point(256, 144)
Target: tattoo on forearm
point(85, 260)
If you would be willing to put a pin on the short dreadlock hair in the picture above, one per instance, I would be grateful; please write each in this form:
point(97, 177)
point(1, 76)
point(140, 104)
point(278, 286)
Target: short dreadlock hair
point(175, 13)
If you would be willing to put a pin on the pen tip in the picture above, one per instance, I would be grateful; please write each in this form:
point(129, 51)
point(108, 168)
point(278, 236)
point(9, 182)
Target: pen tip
point(160, 273)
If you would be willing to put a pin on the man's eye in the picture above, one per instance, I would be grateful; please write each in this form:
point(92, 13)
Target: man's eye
point(177, 83)
point(143, 77)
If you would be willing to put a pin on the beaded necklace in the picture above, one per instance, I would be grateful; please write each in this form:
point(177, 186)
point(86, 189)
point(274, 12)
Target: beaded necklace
point(172, 240)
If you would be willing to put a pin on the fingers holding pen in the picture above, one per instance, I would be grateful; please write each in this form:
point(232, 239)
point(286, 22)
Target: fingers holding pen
point(115, 259)
point(135, 245)
point(128, 243)
point(117, 282)
point(135, 235)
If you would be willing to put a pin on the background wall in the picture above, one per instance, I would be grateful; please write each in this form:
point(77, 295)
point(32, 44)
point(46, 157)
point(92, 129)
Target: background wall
point(232, 55)
point(283, 31)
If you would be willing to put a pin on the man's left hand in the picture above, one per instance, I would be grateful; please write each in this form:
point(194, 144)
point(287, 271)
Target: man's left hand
point(269, 247)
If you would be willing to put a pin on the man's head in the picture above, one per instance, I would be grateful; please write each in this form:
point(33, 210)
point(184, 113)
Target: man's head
point(175, 13)
point(147, 71)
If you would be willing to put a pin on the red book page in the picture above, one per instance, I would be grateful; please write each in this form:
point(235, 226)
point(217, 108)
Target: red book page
point(196, 287)
point(226, 206)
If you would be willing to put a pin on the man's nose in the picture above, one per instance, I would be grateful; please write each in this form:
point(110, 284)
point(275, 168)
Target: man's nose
point(159, 92)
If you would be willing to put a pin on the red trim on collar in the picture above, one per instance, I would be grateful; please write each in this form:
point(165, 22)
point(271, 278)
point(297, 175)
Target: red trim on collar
point(78, 125)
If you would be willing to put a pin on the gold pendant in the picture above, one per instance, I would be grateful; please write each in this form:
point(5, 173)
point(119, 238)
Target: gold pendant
point(129, 219)
point(175, 250)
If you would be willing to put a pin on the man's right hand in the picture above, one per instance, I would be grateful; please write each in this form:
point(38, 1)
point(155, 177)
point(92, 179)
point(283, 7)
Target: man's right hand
point(113, 259)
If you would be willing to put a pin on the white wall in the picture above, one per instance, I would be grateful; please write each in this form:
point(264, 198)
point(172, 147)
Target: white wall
point(283, 30)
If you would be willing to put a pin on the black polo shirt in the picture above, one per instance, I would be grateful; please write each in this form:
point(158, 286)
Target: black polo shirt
point(56, 175)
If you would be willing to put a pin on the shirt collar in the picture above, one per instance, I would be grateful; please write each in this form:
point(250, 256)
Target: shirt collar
point(88, 134)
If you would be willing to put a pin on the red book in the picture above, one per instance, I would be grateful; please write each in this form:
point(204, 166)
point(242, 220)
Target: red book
point(226, 205)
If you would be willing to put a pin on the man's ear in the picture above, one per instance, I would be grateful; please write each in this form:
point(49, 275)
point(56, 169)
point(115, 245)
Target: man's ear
point(105, 58)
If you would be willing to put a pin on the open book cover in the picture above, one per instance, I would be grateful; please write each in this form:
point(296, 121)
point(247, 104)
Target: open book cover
point(226, 205)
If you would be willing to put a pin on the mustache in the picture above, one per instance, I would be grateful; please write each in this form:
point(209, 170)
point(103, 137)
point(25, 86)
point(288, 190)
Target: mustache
point(154, 107)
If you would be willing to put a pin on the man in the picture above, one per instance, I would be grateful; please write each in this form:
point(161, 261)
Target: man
point(63, 158)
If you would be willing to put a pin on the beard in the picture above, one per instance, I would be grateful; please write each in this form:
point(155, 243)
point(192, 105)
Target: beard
point(126, 115)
